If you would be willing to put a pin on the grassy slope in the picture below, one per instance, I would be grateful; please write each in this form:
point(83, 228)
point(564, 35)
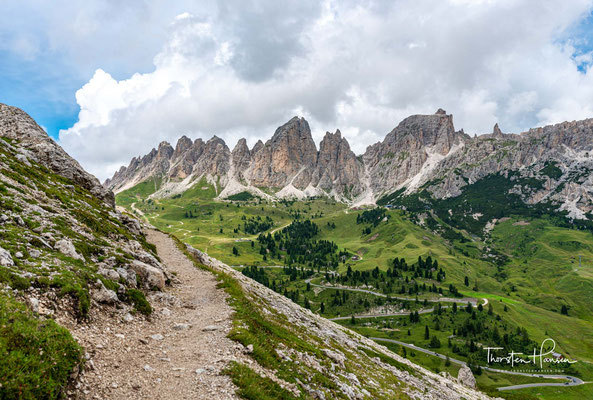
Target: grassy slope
point(37, 356)
point(541, 273)
point(203, 231)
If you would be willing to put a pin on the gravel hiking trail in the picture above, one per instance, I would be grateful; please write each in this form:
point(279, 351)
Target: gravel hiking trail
point(178, 354)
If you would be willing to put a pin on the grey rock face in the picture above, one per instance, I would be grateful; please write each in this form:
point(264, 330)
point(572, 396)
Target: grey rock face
point(258, 146)
point(337, 167)
point(466, 378)
point(406, 149)
point(241, 159)
point(151, 276)
point(66, 247)
point(18, 125)
point(496, 132)
point(287, 158)
point(5, 258)
point(104, 295)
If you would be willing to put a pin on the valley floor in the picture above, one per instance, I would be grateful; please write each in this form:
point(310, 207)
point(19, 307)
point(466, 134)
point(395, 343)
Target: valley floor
point(178, 354)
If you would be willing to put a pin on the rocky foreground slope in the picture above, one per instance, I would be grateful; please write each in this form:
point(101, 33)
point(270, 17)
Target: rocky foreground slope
point(65, 252)
point(422, 152)
point(67, 255)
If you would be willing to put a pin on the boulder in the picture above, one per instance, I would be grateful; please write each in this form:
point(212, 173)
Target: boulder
point(466, 377)
point(129, 275)
point(132, 224)
point(109, 273)
point(5, 258)
point(104, 295)
point(66, 247)
point(33, 303)
point(151, 276)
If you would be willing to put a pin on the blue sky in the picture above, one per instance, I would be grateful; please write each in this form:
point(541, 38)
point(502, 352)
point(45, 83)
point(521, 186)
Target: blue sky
point(46, 94)
point(153, 70)
point(580, 34)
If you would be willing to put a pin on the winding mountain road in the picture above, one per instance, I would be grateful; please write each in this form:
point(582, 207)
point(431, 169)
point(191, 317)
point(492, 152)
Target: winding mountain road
point(570, 380)
point(465, 300)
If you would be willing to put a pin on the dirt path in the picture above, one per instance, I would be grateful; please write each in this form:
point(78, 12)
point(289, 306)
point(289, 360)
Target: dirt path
point(138, 211)
point(177, 355)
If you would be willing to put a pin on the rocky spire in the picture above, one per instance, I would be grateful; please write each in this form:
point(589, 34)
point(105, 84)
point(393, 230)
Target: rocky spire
point(165, 151)
point(496, 132)
point(241, 157)
point(337, 166)
point(288, 157)
point(183, 144)
point(258, 146)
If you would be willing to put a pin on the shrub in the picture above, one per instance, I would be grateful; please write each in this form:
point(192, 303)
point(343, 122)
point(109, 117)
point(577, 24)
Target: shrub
point(140, 303)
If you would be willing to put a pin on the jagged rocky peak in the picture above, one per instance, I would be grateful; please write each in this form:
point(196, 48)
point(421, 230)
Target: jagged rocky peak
point(435, 131)
point(257, 147)
point(333, 148)
point(215, 159)
point(496, 132)
point(241, 147)
point(183, 144)
point(37, 145)
point(406, 149)
point(287, 158)
point(338, 168)
point(241, 157)
point(165, 150)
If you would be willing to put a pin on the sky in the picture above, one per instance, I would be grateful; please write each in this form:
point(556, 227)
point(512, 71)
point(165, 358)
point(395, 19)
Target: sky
point(109, 80)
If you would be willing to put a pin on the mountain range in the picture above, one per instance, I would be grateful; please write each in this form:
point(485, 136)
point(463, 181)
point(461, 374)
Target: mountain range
point(550, 164)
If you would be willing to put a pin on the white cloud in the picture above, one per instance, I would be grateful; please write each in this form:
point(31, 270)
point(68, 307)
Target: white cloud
point(244, 68)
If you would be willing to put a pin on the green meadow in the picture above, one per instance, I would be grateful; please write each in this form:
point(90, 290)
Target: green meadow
point(528, 266)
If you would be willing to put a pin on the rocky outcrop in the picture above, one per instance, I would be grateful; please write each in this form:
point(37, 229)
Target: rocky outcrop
point(152, 277)
point(496, 132)
point(104, 295)
point(337, 168)
point(181, 166)
point(257, 147)
point(410, 151)
point(288, 158)
point(36, 145)
point(241, 159)
point(66, 247)
point(5, 258)
point(466, 377)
